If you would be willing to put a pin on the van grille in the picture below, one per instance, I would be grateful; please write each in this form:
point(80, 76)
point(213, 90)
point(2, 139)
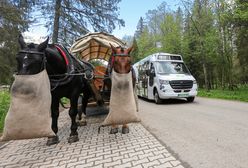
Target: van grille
point(181, 84)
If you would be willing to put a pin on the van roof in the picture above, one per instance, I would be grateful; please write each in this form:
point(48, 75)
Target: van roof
point(163, 57)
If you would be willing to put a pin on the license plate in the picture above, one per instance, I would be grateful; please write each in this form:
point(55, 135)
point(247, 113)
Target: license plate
point(183, 95)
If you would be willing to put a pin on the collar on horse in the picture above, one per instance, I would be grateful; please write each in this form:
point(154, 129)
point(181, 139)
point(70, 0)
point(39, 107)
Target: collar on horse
point(74, 66)
point(63, 53)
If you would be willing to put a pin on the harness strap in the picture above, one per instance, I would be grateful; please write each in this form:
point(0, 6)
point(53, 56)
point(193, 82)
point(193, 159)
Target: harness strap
point(63, 54)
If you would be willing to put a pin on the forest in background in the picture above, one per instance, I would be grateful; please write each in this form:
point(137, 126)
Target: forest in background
point(211, 35)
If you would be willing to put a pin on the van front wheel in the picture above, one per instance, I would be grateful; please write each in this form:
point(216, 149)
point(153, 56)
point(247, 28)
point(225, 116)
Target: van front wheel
point(190, 99)
point(157, 98)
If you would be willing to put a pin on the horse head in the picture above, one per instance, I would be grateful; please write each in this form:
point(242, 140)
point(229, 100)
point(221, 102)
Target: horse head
point(31, 57)
point(121, 59)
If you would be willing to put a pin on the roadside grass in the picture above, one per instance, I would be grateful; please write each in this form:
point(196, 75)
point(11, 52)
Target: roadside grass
point(4, 106)
point(240, 94)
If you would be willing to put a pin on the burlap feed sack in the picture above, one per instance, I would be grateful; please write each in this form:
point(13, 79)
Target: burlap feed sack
point(29, 115)
point(122, 107)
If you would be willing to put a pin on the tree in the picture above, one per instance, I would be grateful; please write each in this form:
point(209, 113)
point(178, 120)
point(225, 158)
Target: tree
point(146, 44)
point(226, 38)
point(70, 19)
point(128, 40)
point(140, 27)
point(240, 21)
point(13, 20)
point(171, 32)
point(135, 52)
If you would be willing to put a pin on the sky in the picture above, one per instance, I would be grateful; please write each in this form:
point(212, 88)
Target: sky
point(130, 11)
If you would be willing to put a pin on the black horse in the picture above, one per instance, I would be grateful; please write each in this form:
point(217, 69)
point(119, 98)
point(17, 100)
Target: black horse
point(68, 77)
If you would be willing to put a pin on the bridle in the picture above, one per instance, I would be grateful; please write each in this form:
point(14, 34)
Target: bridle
point(65, 77)
point(26, 52)
point(113, 59)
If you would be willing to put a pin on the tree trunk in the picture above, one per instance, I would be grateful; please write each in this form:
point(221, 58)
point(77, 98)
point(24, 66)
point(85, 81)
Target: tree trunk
point(56, 21)
point(205, 75)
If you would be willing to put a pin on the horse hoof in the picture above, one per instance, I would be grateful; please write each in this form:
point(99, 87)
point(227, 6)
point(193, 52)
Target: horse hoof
point(125, 130)
point(81, 122)
point(113, 130)
point(52, 140)
point(73, 138)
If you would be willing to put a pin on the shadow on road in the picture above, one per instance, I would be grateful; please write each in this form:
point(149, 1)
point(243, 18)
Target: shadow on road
point(166, 101)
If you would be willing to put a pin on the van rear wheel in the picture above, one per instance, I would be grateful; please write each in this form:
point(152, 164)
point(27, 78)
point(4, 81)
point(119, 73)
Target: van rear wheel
point(157, 98)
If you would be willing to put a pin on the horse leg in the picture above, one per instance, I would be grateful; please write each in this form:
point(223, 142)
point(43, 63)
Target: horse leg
point(125, 129)
point(73, 113)
point(114, 129)
point(81, 121)
point(85, 98)
point(55, 114)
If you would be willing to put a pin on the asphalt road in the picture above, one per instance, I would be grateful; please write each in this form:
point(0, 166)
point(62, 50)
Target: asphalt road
point(208, 133)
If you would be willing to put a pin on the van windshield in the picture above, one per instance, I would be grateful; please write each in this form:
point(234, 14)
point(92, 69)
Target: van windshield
point(171, 68)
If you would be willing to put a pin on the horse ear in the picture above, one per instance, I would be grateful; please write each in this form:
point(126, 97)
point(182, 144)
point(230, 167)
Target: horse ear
point(113, 48)
point(42, 46)
point(21, 42)
point(130, 49)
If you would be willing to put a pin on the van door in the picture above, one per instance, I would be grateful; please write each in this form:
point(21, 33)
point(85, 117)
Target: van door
point(151, 75)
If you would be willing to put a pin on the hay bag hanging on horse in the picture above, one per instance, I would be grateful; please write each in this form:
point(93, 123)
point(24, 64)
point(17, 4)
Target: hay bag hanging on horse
point(123, 107)
point(29, 113)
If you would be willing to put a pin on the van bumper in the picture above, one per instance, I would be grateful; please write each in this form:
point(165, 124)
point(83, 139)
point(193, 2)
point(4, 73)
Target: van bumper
point(169, 93)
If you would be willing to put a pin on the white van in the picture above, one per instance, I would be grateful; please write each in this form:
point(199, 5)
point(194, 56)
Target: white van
point(164, 76)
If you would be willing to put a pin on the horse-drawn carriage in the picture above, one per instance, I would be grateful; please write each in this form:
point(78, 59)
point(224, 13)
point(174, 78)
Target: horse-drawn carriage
point(96, 49)
point(68, 76)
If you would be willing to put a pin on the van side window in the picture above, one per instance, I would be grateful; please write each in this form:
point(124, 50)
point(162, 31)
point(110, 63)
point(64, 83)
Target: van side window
point(152, 69)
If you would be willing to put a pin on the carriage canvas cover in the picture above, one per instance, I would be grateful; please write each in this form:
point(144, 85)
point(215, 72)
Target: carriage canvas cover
point(29, 114)
point(95, 46)
point(123, 102)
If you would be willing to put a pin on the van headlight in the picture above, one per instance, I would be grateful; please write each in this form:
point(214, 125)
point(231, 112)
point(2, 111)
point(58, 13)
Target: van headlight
point(164, 82)
point(194, 82)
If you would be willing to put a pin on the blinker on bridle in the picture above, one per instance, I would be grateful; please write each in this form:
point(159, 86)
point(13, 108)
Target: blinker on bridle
point(38, 53)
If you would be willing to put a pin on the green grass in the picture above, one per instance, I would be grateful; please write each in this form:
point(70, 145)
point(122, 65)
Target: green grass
point(240, 94)
point(4, 106)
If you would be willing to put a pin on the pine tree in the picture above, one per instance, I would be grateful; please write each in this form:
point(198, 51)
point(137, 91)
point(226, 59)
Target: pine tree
point(139, 28)
point(69, 19)
point(14, 18)
point(240, 21)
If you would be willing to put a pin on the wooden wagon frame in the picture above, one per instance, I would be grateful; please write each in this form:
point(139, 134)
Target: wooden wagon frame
point(96, 46)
